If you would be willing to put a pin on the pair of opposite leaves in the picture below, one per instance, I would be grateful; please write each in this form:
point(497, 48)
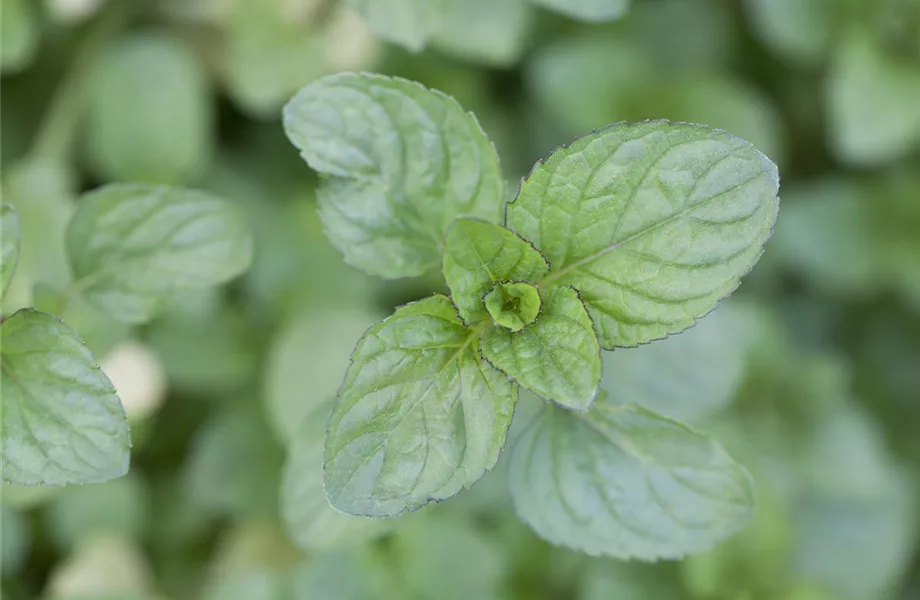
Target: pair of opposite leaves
point(625, 236)
point(131, 248)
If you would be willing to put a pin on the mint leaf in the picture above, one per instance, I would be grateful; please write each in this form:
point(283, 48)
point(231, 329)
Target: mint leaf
point(489, 32)
point(653, 223)
point(587, 10)
point(557, 357)
point(133, 246)
point(685, 377)
point(149, 112)
point(419, 416)
point(402, 162)
point(61, 421)
point(872, 103)
point(513, 306)
point(409, 23)
point(19, 34)
point(309, 519)
point(9, 245)
point(800, 30)
point(479, 254)
point(625, 482)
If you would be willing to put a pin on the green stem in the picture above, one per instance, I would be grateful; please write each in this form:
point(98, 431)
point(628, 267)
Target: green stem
point(54, 139)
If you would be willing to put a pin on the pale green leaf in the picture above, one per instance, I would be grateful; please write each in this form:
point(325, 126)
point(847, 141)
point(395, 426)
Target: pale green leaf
point(419, 416)
point(61, 421)
point(310, 521)
point(401, 163)
point(587, 10)
point(15, 541)
point(872, 103)
point(607, 579)
point(557, 357)
point(409, 23)
point(513, 306)
point(19, 34)
point(307, 362)
point(9, 245)
point(133, 246)
point(653, 223)
point(800, 30)
point(149, 112)
point(479, 254)
point(685, 377)
point(491, 32)
point(261, 584)
point(355, 574)
point(624, 482)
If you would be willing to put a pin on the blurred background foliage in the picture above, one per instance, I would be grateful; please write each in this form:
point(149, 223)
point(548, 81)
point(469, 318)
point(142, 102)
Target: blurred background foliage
point(810, 374)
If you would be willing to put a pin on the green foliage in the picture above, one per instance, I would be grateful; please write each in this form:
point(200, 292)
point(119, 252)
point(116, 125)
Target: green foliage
point(61, 420)
point(587, 10)
point(401, 161)
point(625, 482)
point(9, 245)
point(133, 246)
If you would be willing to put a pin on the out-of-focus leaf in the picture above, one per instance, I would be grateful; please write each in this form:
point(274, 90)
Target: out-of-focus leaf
point(269, 56)
point(624, 482)
point(261, 585)
point(394, 184)
point(491, 32)
point(309, 519)
point(357, 574)
point(872, 103)
point(9, 245)
point(409, 23)
point(132, 247)
point(653, 223)
point(449, 560)
point(307, 362)
point(150, 117)
point(80, 512)
point(234, 466)
point(15, 539)
point(420, 414)
point(609, 579)
point(19, 34)
point(107, 568)
point(826, 237)
point(587, 10)
point(685, 377)
point(61, 421)
point(798, 30)
point(557, 357)
point(253, 545)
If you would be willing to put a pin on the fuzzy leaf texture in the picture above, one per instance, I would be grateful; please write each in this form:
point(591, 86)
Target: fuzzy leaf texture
point(557, 357)
point(61, 421)
point(653, 223)
point(479, 254)
point(401, 162)
point(592, 11)
point(419, 416)
point(624, 482)
point(133, 246)
point(9, 245)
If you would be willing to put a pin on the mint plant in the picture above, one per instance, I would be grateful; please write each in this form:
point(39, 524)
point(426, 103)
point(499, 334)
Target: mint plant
point(625, 236)
point(131, 247)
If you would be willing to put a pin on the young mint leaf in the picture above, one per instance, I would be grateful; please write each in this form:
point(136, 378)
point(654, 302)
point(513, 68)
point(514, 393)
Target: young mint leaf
point(149, 112)
point(61, 421)
point(557, 357)
point(587, 10)
point(624, 482)
point(653, 223)
point(310, 521)
point(872, 103)
point(419, 416)
point(686, 377)
point(133, 246)
point(479, 254)
point(409, 23)
point(402, 162)
point(9, 245)
point(514, 305)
